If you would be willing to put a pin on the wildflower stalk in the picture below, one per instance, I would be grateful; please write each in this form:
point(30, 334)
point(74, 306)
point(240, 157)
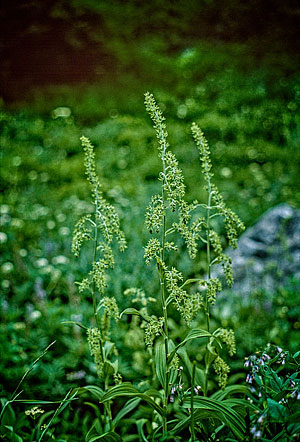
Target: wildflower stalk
point(106, 223)
point(216, 207)
point(97, 320)
point(171, 280)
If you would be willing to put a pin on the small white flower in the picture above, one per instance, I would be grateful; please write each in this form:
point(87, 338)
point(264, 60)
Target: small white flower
point(3, 237)
point(64, 231)
point(36, 314)
point(7, 267)
point(60, 259)
point(42, 262)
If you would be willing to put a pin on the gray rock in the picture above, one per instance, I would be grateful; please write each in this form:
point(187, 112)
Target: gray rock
point(268, 253)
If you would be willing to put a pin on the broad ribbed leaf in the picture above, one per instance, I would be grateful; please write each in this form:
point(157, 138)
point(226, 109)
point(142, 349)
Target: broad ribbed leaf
point(160, 363)
point(193, 334)
point(129, 406)
point(222, 411)
point(229, 390)
point(240, 405)
point(126, 389)
point(96, 391)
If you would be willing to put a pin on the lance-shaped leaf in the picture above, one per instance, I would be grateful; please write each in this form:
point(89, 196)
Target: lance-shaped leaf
point(129, 406)
point(160, 363)
point(110, 436)
point(193, 334)
point(199, 374)
point(126, 389)
point(134, 311)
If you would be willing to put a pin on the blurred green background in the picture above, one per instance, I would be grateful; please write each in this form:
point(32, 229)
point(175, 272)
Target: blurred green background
point(81, 67)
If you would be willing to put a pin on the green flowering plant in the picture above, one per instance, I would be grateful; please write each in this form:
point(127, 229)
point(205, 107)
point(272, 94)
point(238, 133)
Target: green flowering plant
point(100, 228)
point(179, 401)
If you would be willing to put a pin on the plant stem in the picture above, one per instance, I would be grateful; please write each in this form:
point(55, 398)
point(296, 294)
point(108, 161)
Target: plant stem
point(98, 323)
point(164, 305)
point(208, 276)
point(192, 402)
point(107, 406)
point(208, 252)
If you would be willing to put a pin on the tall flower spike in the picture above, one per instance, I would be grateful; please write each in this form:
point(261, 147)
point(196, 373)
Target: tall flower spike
point(171, 176)
point(204, 151)
point(106, 216)
point(158, 121)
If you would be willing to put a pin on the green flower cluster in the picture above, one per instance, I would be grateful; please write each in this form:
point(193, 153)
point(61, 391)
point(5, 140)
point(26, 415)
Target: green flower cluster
point(213, 287)
point(110, 306)
point(155, 214)
point(93, 336)
point(138, 296)
point(233, 225)
point(82, 233)
point(187, 305)
point(227, 336)
point(222, 370)
point(153, 328)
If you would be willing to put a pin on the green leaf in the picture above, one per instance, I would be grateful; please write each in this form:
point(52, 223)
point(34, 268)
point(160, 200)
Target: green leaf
point(96, 391)
point(295, 417)
point(127, 389)
point(75, 323)
point(160, 363)
point(9, 417)
point(13, 437)
point(193, 334)
point(191, 281)
point(210, 355)
point(277, 411)
point(110, 436)
point(215, 409)
point(71, 395)
point(134, 311)
point(129, 406)
point(229, 390)
point(108, 348)
point(239, 405)
point(199, 374)
point(108, 369)
point(140, 423)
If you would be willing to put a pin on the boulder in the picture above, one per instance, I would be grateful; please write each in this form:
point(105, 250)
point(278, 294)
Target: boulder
point(268, 253)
